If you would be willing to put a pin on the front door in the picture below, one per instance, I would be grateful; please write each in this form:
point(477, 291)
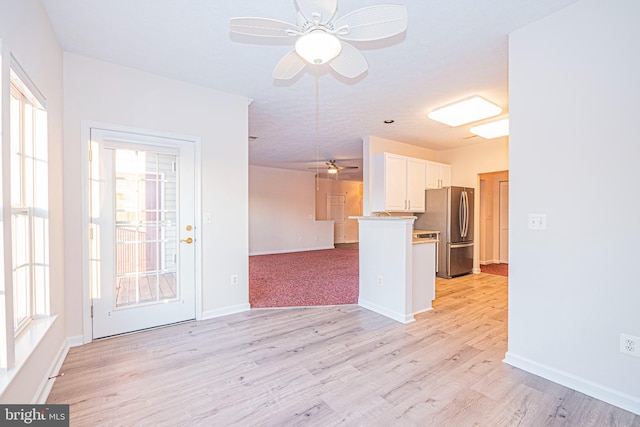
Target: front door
point(142, 237)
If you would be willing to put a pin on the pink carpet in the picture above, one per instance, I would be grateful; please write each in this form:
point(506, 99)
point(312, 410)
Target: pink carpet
point(326, 277)
point(499, 269)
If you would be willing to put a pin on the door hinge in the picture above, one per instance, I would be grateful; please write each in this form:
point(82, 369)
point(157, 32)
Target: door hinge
point(90, 233)
point(92, 312)
point(174, 166)
point(90, 155)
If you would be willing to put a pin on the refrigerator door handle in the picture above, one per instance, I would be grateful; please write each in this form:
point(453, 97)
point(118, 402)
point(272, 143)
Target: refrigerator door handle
point(460, 245)
point(466, 213)
point(461, 215)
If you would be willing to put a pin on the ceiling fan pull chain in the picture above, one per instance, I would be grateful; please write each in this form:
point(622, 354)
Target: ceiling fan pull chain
point(317, 98)
point(317, 131)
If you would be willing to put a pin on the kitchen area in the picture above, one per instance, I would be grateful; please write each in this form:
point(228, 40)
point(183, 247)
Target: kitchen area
point(420, 227)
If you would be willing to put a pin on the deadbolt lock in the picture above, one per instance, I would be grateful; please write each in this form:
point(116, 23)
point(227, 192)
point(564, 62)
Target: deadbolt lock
point(189, 228)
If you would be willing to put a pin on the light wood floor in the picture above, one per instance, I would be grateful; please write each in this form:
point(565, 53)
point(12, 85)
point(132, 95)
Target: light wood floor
point(326, 366)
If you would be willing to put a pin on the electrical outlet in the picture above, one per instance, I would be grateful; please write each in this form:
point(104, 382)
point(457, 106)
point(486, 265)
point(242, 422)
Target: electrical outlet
point(629, 345)
point(234, 279)
point(380, 280)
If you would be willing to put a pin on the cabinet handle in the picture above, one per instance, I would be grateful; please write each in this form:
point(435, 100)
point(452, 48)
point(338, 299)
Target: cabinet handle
point(409, 205)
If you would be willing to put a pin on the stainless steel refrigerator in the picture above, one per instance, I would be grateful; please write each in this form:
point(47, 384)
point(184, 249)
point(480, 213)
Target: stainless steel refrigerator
point(450, 211)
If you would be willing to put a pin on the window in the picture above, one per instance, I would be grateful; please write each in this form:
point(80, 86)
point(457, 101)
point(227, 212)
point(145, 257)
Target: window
point(29, 202)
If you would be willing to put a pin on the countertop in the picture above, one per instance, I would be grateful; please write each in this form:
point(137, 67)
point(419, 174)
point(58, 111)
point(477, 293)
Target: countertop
point(383, 218)
point(426, 232)
point(420, 241)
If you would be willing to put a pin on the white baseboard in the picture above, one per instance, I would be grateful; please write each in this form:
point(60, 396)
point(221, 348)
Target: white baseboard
point(54, 369)
point(398, 317)
point(422, 311)
point(490, 261)
point(211, 314)
point(287, 251)
point(622, 400)
point(476, 271)
point(75, 341)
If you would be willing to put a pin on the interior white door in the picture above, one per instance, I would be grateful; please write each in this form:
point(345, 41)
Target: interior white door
point(504, 221)
point(336, 212)
point(143, 246)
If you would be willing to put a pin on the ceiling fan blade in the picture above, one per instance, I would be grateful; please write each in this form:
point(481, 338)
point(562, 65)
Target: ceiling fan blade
point(262, 27)
point(372, 23)
point(324, 9)
point(346, 167)
point(350, 63)
point(289, 66)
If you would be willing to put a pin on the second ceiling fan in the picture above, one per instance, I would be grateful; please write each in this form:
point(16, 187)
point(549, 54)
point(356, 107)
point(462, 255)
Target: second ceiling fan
point(333, 168)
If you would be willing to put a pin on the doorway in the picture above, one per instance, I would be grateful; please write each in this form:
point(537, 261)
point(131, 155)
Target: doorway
point(494, 218)
point(336, 205)
point(142, 233)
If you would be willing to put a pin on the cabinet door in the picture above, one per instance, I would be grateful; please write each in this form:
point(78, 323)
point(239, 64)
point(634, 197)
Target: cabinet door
point(432, 175)
point(395, 171)
point(445, 175)
point(416, 170)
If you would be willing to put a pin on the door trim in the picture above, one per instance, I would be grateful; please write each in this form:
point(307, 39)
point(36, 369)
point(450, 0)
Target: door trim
point(85, 134)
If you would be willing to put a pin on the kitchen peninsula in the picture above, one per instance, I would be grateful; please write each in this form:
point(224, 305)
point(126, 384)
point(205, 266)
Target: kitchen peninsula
point(397, 276)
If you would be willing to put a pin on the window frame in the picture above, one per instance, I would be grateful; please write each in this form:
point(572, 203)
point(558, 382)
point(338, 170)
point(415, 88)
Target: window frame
point(30, 201)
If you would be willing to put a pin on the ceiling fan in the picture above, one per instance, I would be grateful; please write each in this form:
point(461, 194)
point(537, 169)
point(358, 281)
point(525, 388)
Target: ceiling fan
point(332, 168)
point(322, 37)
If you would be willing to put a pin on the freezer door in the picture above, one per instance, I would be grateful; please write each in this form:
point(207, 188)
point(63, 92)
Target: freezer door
point(460, 259)
point(469, 198)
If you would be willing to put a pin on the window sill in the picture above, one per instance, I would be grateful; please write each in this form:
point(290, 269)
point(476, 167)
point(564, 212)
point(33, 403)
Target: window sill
point(25, 344)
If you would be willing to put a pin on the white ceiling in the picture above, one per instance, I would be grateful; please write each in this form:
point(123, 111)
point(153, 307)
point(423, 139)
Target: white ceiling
point(451, 50)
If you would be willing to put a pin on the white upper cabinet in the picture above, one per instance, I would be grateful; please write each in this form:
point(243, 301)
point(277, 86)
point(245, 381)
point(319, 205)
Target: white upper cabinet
point(416, 169)
point(397, 183)
point(438, 175)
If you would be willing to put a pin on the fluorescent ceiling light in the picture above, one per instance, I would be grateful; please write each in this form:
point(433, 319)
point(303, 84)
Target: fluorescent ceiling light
point(465, 111)
point(492, 129)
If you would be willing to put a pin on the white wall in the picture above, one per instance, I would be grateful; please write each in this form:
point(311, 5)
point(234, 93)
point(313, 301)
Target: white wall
point(469, 161)
point(386, 266)
point(372, 145)
point(108, 93)
point(282, 212)
point(26, 33)
point(574, 108)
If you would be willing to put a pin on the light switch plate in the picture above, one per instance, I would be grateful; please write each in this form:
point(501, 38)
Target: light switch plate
point(537, 221)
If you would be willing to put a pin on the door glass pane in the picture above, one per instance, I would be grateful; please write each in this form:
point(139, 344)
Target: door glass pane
point(146, 236)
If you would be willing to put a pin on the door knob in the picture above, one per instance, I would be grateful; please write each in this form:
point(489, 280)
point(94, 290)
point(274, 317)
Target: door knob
point(188, 240)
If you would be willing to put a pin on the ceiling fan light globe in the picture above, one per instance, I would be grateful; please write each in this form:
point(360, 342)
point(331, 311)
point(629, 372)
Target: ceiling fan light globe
point(318, 47)
point(332, 170)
